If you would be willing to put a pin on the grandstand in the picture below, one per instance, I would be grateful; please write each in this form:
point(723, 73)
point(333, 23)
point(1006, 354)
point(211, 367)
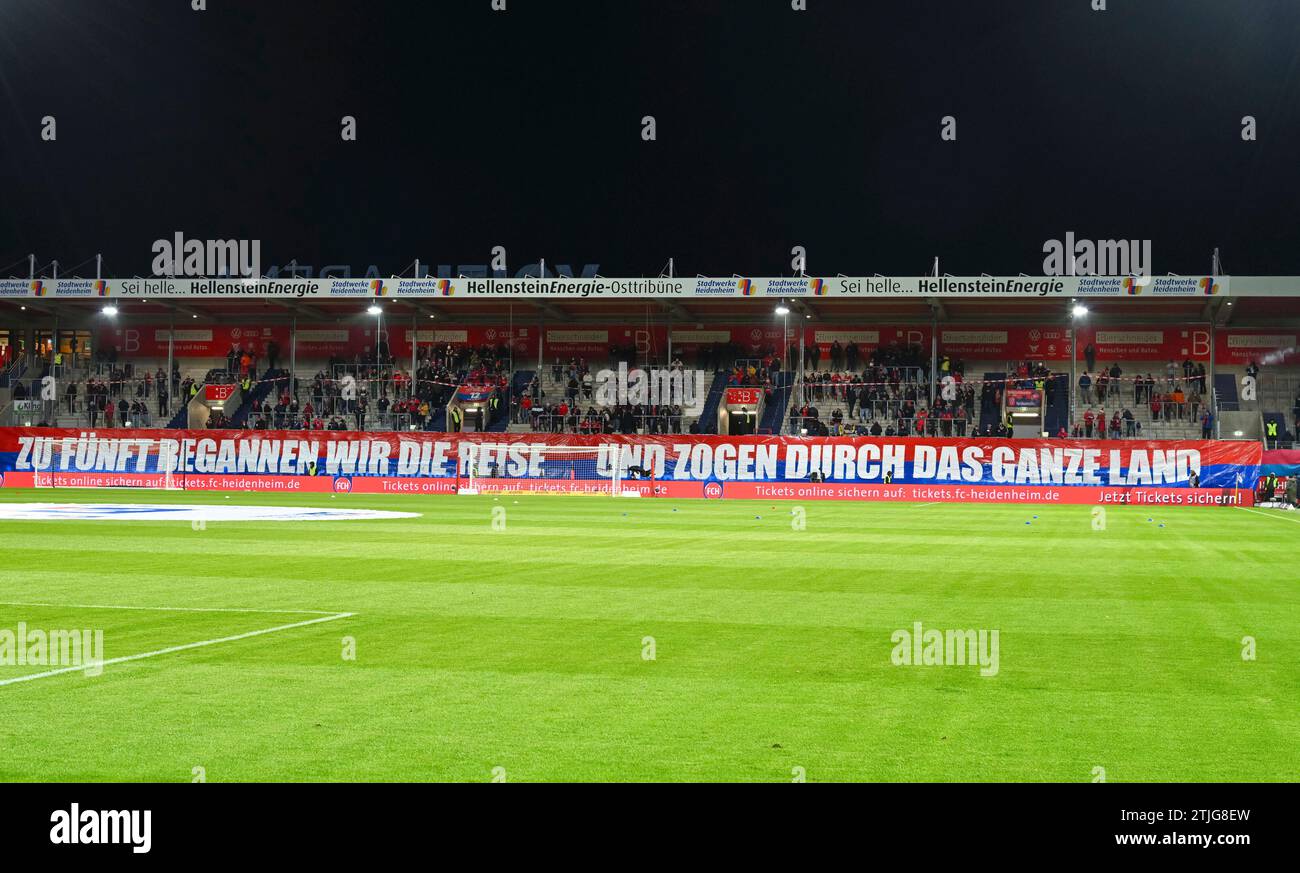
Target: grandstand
point(1152, 368)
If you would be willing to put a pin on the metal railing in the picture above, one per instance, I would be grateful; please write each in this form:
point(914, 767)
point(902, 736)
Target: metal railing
point(78, 403)
point(810, 386)
point(80, 407)
point(1278, 392)
point(903, 375)
point(879, 409)
point(743, 364)
point(952, 427)
point(13, 372)
point(645, 424)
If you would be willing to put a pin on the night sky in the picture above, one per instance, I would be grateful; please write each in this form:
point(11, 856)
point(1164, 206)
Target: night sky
point(775, 128)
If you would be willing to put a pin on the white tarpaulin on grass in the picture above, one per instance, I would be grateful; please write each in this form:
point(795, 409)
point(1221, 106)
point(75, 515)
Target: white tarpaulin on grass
point(163, 512)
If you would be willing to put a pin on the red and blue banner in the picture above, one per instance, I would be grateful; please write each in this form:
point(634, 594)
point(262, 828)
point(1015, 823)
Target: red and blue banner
point(475, 393)
point(1281, 462)
point(759, 467)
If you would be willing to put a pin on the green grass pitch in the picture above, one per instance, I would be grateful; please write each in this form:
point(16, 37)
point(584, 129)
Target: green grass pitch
point(522, 653)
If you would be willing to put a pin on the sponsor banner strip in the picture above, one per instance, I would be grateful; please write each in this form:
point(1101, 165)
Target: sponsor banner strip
point(609, 288)
point(1090, 495)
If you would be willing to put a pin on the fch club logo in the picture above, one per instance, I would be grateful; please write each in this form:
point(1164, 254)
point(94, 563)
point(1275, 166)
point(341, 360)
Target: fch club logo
point(713, 489)
point(445, 288)
point(2, 480)
point(38, 288)
point(342, 484)
point(378, 288)
point(746, 287)
point(1209, 287)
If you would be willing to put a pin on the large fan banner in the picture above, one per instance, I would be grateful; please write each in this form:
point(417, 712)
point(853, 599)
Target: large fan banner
point(756, 467)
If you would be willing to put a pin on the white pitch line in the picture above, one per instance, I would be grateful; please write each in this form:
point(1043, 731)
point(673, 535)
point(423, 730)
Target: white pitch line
point(934, 503)
point(1270, 515)
point(172, 649)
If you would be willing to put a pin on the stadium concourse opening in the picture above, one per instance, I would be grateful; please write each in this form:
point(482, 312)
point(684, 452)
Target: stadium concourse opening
point(1124, 399)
